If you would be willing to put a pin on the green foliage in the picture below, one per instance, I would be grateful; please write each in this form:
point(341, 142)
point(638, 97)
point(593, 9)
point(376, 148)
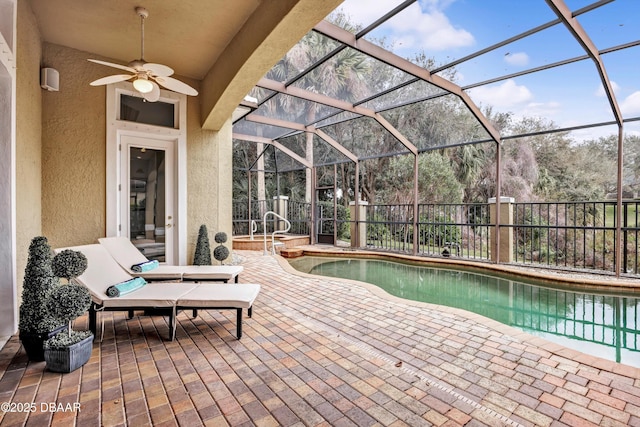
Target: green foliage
point(202, 255)
point(69, 301)
point(220, 237)
point(221, 253)
point(437, 232)
point(62, 339)
point(39, 281)
point(69, 264)
point(343, 218)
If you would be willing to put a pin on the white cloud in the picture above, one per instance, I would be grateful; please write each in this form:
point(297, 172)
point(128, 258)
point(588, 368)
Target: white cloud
point(431, 30)
point(505, 95)
point(366, 11)
point(519, 59)
point(422, 25)
point(600, 91)
point(631, 104)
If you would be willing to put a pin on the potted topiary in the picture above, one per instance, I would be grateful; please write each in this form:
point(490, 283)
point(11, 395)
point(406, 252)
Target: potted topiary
point(221, 252)
point(69, 349)
point(202, 255)
point(37, 324)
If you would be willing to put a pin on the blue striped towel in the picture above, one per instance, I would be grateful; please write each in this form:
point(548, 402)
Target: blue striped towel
point(124, 288)
point(145, 266)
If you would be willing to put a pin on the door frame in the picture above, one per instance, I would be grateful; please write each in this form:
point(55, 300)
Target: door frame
point(116, 128)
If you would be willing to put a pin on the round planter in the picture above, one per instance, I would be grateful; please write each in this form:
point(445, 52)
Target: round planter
point(32, 343)
point(70, 358)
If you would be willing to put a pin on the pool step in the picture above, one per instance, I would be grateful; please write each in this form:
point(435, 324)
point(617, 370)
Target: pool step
point(291, 252)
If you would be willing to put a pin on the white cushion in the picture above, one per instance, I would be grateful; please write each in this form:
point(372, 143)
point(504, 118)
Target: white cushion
point(126, 255)
point(213, 295)
point(211, 272)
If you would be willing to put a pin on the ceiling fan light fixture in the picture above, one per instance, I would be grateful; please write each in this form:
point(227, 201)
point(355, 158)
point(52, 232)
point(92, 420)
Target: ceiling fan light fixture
point(142, 85)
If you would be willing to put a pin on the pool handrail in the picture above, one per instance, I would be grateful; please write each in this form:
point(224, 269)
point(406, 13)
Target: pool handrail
point(273, 235)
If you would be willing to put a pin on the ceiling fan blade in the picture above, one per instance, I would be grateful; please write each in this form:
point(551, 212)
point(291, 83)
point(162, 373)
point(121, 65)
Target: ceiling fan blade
point(111, 64)
point(176, 85)
point(158, 69)
point(154, 95)
point(111, 79)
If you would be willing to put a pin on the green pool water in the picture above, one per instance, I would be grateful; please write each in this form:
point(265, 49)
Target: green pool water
point(604, 325)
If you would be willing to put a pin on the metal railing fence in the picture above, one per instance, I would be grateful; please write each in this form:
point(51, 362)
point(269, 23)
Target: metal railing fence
point(560, 235)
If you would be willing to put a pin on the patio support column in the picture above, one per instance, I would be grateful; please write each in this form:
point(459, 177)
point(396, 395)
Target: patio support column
point(282, 208)
point(356, 217)
point(494, 247)
point(501, 238)
point(415, 204)
point(314, 214)
point(249, 201)
point(618, 247)
point(358, 229)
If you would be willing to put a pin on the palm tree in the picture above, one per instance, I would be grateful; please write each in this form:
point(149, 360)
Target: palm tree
point(342, 77)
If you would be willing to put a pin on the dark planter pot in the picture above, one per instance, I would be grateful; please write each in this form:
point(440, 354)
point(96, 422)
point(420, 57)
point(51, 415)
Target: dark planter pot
point(69, 358)
point(32, 343)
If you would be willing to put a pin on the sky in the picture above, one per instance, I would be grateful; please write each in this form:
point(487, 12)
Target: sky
point(571, 95)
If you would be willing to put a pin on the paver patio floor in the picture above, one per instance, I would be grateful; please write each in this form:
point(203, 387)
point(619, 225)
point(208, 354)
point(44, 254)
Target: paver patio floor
point(320, 351)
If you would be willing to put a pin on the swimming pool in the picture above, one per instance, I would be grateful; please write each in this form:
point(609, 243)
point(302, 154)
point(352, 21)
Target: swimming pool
point(604, 325)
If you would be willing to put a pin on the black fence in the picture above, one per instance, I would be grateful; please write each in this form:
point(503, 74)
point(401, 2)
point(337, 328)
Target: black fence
point(567, 235)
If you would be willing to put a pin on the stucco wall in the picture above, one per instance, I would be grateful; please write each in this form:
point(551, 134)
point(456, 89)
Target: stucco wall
point(28, 137)
point(209, 179)
point(74, 159)
point(73, 150)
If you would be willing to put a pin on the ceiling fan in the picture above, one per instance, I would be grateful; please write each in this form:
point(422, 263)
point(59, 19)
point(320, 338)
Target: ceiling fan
point(147, 75)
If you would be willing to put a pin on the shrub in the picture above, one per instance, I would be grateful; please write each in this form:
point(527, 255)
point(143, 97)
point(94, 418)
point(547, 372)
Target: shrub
point(202, 255)
point(39, 281)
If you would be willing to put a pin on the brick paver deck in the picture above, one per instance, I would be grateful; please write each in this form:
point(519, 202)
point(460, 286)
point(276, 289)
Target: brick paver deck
point(321, 352)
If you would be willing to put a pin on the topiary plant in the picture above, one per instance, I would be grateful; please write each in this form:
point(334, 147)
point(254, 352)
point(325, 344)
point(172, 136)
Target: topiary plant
point(202, 255)
point(69, 301)
point(221, 252)
point(39, 281)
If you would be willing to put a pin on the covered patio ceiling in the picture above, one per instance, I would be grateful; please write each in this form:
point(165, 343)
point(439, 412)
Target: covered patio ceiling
point(580, 28)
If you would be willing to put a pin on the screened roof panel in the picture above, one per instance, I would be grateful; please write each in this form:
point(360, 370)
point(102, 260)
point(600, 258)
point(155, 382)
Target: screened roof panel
point(352, 76)
point(246, 127)
point(571, 95)
point(446, 32)
point(310, 49)
point(437, 122)
point(292, 109)
point(362, 12)
point(295, 143)
point(364, 137)
point(417, 90)
point(260, 93)
point(338, 118)
point(521, 55)
point(622, 69)
point(613, 24)
point(324, 153)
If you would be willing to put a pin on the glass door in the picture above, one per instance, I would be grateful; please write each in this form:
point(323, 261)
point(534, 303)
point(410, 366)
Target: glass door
point(147, 197)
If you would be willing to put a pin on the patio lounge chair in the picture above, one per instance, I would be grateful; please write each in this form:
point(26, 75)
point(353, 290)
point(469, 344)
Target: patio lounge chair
point(168, 298)
point(127, 255)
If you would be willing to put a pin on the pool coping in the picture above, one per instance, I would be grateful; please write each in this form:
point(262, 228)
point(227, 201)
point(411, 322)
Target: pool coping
point(532, 340)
